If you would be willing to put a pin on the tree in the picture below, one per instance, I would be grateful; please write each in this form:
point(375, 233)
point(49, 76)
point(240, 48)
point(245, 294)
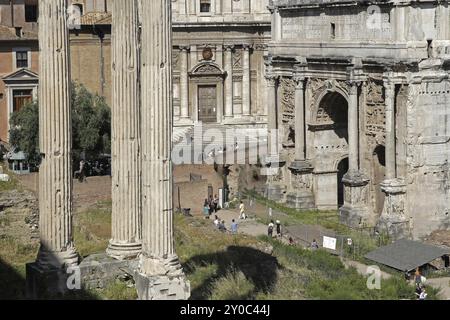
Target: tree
point(91, 126)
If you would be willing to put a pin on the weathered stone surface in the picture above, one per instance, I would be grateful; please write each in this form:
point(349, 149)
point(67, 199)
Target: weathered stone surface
point(159, 275)
point(55, 178)
point(126, 240)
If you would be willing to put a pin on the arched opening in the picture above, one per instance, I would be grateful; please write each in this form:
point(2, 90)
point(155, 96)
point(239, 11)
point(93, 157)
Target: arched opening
point(331, 147)
point(379, 175)
point(343, 167)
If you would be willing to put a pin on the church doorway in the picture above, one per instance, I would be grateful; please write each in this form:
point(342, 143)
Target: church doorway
point(343, 167)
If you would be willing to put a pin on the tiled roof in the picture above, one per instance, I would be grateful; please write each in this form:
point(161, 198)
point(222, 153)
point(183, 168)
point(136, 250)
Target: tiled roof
point(8, 33)
point(98, 18)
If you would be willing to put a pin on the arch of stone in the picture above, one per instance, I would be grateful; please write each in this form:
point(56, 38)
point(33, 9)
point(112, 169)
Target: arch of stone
point(142, 212)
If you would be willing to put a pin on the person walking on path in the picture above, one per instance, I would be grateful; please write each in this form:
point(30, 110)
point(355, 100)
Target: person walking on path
point(234, 227)
point(270, 229)
point(222, 226)
point(279, 229)
point(242, 215)
point(206, 209)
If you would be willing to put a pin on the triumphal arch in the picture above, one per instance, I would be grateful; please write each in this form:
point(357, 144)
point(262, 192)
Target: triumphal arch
point(366, 89)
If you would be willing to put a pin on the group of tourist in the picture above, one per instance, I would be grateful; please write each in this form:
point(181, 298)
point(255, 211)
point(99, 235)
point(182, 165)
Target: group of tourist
point(221, 226)
point(271, 228)
point(211, 206)
point(419, 281)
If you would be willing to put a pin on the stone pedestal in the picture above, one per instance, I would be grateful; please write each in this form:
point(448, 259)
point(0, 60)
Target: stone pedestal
point(355, 212)
point(162, 287)
point(300, 196)
point(46, 282)
point(393, 220)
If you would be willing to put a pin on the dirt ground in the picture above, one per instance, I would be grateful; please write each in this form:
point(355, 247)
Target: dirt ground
point(86, 195)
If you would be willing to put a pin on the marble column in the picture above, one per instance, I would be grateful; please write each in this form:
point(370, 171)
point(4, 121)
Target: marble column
point(55, 135)
point(355, 211)
point(246, 81)
point(47, 277)
point(228, 64)
point(271, 81)
point(353, 127)
point(126, 238)
point(300, 196)
point(390, 131)
point(393, 220)
point(159, 275)
point(184, 83)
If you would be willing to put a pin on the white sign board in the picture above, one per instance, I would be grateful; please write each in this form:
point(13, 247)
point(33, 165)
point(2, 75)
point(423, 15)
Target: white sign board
point(329, 243)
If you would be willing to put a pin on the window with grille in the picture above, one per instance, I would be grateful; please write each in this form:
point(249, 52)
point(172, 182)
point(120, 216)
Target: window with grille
point(22, 59)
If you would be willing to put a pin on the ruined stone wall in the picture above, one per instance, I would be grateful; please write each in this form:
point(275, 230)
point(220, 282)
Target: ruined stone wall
point(428, 144)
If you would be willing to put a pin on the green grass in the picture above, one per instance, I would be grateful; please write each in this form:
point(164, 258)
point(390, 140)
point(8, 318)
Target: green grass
point(224, 267)
point(12, 184)
point(92, 229)
point(13, 258)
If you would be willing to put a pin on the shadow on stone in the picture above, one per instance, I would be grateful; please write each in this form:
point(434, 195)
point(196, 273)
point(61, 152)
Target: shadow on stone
point(258, 267)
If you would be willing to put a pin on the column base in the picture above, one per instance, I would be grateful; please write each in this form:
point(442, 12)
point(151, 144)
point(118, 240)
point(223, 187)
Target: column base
point(393, 220)
point(301, 200)
point(124, 251)
point(58, 260)
point(45, 283)
point(355, 212)
point(161, 279)
point(275, 192)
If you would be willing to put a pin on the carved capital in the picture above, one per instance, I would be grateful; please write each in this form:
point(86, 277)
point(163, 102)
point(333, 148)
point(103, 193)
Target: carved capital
point(247, 46)
point(299, 81)
point(271, 80)
point(353, 87)
point(229, 47)
point(185, 48)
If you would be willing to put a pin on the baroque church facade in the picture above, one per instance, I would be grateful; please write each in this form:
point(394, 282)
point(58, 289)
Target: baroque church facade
point(367, 91)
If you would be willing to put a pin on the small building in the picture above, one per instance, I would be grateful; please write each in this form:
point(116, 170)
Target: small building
point(407, 255)
point(17, 162)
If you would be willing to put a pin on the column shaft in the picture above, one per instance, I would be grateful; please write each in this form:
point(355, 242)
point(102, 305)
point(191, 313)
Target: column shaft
point(353, 128)
point(246, 81)
point(300, 119)
point(184, 83)
point(229, 81)
point(55, 135)
point(126, 168)
point(390, 131)
point(157, 222)
point(272, 112)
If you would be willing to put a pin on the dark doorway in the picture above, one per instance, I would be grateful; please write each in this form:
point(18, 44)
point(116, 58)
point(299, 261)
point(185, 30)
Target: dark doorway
point(207, 104)
point(342, 170)
point(379, 174)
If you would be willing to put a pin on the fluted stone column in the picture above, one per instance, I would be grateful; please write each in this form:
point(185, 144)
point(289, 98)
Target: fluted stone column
point(355, 209)
point(184, 83)
point(126, 142)
point(47, 277)
point(55, 136)
point(390, 131)
point(393, 220)
point(228, 64)
point(160, 275)
point(300, 196)
point(246, 81)
point(271, 80)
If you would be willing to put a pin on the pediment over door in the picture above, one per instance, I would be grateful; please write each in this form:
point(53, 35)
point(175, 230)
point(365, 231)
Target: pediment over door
point(207, 70)
point(21, 76)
